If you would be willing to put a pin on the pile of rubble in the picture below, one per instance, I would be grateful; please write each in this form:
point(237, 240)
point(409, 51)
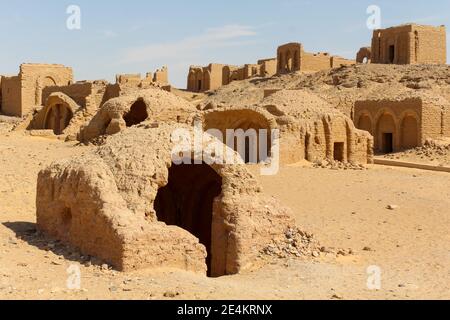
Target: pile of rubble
point(337, 165)
point(298, 243)
point(430, 151)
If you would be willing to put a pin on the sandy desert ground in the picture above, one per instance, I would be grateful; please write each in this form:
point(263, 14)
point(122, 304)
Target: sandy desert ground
point(344, 209)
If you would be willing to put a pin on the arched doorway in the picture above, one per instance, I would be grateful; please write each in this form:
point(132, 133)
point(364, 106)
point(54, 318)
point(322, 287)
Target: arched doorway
point(187, 201)
point(410, 132)
point(386, 133)
point(365, 123)
point(48, 82)
point(137, 114)
point(58, 118)
point(247, 132)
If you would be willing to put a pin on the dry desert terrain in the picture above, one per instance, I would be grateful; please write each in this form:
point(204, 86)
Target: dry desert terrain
point(342, 208)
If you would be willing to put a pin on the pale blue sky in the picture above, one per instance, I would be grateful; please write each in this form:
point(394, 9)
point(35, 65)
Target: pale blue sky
point(142, 35)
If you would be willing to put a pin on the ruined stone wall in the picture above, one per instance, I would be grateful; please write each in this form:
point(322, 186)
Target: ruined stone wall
point(90, 95)
point(432, 122)
point(410, 44)
point(337, 62)
point(288, 57)
point(292, 57)
point(237, 74)
point(11, 96)
point(78, 92)
point(36, 77)
point(161, 76)
point(387, 116)
point(311, 62)
point(364, 55)
point(214, 76)
point(251, 70)
point(132, 79)
point(432, 45)
point(308, 126)
point(268, 67)
point(446, 121)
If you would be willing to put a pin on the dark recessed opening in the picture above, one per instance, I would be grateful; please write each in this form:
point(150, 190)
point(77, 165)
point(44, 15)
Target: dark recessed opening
point(187, 202)
point(58, 118)
point(137, 114)
point(391, 54)
point(339, 148)
point(66, 220)
point(388, 142)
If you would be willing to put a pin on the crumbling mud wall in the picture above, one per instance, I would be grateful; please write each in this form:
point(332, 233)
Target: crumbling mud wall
point(158, 78)
point(130, 205)
point(309, 128)
point(65, 109)
point(22, 93)
point(139, 107)
point(60, 114)
point(364, 55)
point(214, 76)
point(410, 44)
point(292, 57)
point(268, 67)
point(404, 121)
point(253, 147)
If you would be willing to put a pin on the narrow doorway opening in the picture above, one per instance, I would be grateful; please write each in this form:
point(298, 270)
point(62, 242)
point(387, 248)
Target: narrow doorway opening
point(187, 202)
point(391, 54)
point(339, 151)
point(388, 142)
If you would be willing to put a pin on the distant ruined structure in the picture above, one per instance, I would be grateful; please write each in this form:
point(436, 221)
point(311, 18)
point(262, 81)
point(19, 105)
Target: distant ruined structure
point(19, 94)
point(160, 77)
point(407, 44)
point(292, 57)
point(310, 128)
point(65, 108)
point(404, 121)
point(213, 76)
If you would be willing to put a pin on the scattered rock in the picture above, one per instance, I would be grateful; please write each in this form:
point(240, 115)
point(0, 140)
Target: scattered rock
point(392, 207)
point(105, 267)
point(171, 294)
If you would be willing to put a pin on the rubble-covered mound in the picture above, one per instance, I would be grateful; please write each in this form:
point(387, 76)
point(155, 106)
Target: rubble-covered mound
point(435, 152)
point(366, 75)
point(145, 106)
point(341, 87)
point(128, 204)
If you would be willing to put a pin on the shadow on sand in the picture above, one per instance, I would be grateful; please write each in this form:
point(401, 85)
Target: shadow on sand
point(28, 232)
